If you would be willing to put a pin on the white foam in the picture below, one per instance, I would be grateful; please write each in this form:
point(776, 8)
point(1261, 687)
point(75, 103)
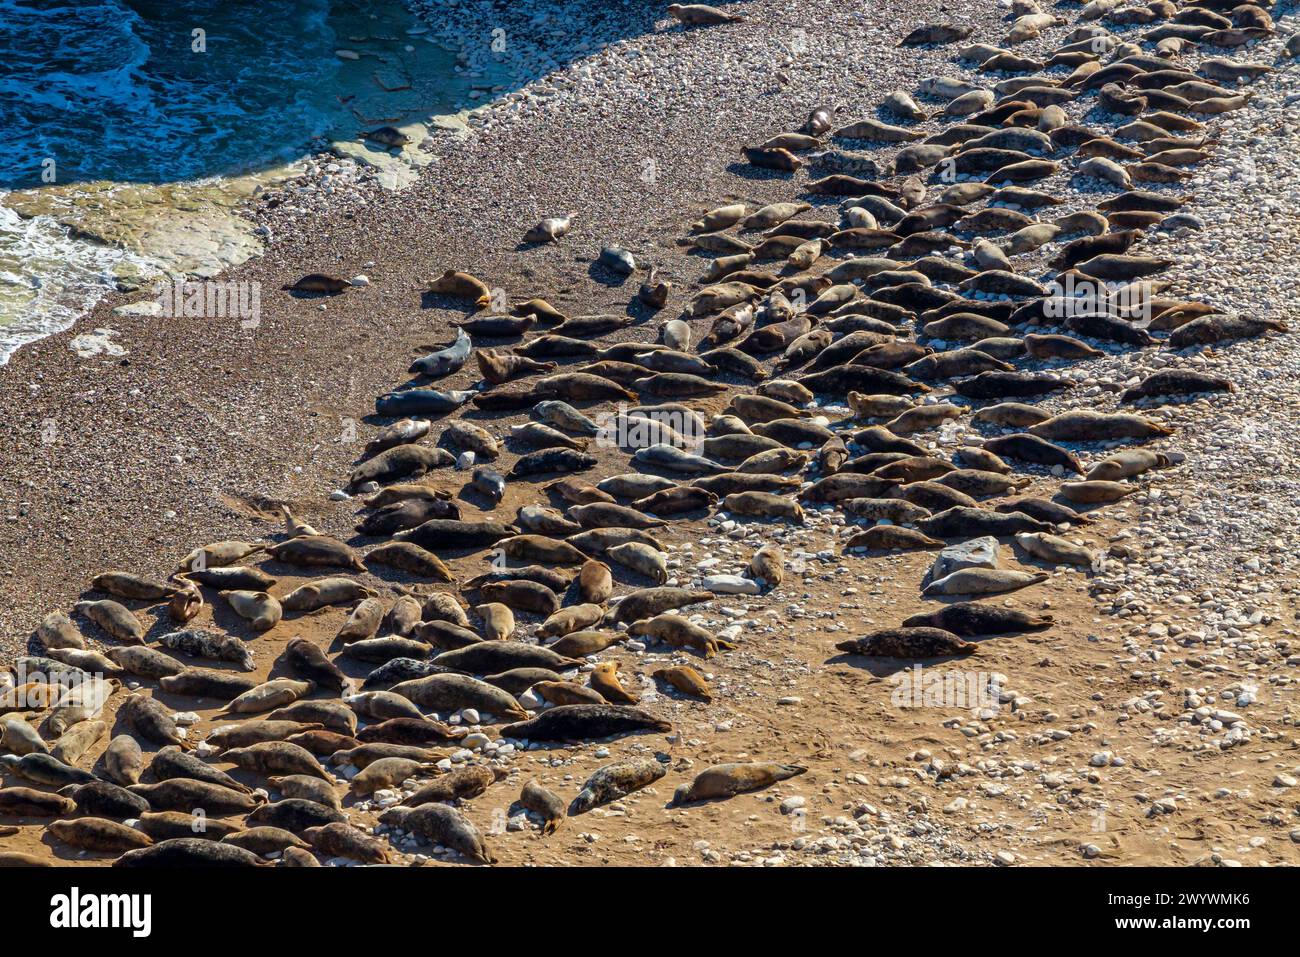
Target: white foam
point(47, 278)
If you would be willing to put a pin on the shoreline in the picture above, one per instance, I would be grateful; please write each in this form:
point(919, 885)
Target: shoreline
point(201, 226)
point(201, 428)
point(52, 391)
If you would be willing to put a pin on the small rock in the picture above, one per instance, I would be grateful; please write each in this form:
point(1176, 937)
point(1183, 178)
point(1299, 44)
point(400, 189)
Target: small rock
point(976, 553)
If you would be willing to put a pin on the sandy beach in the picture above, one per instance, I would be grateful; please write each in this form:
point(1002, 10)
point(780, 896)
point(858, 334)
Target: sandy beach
point(1107, 744)
point(259, 414)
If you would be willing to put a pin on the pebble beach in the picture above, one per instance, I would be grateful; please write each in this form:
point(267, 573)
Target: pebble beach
point(1154, 723)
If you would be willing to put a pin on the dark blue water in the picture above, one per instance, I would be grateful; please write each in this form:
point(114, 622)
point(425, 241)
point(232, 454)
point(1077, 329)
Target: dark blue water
point(146, 92)
point(127, 90)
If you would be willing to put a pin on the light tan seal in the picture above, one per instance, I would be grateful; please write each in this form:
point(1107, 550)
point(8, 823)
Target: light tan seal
point(316, 550)
point(387, 773)
point(604, 678)
point(276, 757)
point(727, 780)
point(276, 693)
point(547, 804)
point(768, 566)
point(579, 644)
point(1095, 492)
point(409, 557)
point(1054, 549)
point(982, 581)
point(218, 555)
point(306, 787)
point(114, 618)
point(99, 834)
point(20, 738)
point(343, 840)
point(1126, 463)
point(363, 621)
point(325, 591)
point(641, 558)
point(57, 631)
point(260, 608)
point(123, 760)
point(73, 744)
point(891, 537)
point(701, 15)
point(498, 620)
point(686, 680)
point(595, 583)
point(570, 619)
point(461, 285)
point(567, 692)
point(678, 632)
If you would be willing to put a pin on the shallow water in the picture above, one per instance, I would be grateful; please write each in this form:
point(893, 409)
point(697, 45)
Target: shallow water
point(156, 92)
